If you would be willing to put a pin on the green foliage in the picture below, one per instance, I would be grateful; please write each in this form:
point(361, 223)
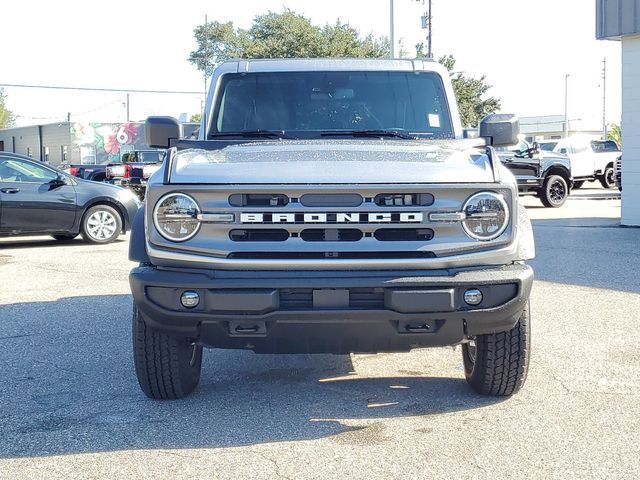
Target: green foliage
point(470, 92)
point(615, 133)
point(195, 118)
point(7, 119)
point(281, 35)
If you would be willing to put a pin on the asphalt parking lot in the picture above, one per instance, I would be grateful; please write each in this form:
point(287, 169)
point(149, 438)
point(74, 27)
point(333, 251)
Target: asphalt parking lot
point(70, 406)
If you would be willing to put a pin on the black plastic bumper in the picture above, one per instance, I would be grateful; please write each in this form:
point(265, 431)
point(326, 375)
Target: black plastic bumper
point(331, 312)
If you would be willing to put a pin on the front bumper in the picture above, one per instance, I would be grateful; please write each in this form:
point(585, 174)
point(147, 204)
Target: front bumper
point(331, 312)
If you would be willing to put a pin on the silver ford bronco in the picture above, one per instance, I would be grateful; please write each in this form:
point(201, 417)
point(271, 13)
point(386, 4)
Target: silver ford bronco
point(331, 206)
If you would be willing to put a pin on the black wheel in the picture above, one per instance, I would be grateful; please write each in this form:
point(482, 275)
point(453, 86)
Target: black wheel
point(167, 366)
point(64, 237)
point(554, 191)
point(497, 364)
point(608, 179)
point(101, 224)
point(577, 185)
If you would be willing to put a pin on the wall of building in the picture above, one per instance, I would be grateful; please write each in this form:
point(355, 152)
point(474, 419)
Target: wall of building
point(23, 140)
point(56, 140)
point(631, 130)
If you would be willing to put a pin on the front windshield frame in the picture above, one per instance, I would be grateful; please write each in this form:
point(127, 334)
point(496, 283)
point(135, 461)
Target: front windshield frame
point(446, 123)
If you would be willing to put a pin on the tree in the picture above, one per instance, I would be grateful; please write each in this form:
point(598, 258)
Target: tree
point(7, 118)
point(195, 118)
point(615, 133)
point(470, 92)
point(281, 35)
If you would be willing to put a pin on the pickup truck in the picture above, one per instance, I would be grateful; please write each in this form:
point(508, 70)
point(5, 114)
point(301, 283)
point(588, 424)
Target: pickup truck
point(331, 206)
point(544, 174)
point(135, 169)
point(591, 160)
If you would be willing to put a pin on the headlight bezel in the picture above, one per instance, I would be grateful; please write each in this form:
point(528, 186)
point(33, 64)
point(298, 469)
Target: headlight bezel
point(162, 232)
point(507, 213)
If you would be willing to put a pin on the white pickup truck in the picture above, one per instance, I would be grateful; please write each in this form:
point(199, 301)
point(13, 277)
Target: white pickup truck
point(590, 159)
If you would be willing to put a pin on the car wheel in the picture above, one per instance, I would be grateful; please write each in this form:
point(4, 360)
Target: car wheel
point(497, 363)
point(101, 224)
point(167, 366)
point(554, 191)
point(577, 185)
point(608, 179)
point(64, 237)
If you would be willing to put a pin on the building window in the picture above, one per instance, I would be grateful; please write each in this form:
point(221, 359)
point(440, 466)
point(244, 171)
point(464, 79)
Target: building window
point(63, 153)
point(45, 154)
point(29, 152)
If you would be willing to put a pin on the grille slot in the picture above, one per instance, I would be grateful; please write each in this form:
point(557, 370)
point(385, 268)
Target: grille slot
point(403, 234)
point(259, 200)
point(302, 298)
point(403, 199)
point(263, 235)
point(331, 200)
point(329, 255)
point(331, 235)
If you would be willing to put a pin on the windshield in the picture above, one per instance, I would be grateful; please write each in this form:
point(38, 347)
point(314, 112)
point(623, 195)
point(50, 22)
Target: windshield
point(308, 104)
point(604, 146)
point(548, 147)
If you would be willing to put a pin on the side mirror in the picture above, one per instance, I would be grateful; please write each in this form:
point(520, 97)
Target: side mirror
point(500, 129)
point(59, 181)
point(161, 131)
point(563, 151)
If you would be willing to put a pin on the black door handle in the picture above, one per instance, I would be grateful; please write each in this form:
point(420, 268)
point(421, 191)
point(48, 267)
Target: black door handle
point(9, 190)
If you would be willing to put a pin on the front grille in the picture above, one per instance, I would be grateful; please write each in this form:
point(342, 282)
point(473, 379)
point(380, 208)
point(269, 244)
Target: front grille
point(359, 298)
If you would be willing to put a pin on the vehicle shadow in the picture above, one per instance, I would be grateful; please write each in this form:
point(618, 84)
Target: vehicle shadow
point(69, 387)
point(7, 243)
point(592, 252)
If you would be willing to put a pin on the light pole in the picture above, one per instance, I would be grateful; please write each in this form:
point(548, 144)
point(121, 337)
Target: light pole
point(566, 105)
point(392, 52)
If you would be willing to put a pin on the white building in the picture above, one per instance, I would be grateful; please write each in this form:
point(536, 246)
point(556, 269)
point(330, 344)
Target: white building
point(620, 20)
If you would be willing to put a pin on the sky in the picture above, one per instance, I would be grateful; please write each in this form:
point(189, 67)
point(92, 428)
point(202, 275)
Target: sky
point(524, 47)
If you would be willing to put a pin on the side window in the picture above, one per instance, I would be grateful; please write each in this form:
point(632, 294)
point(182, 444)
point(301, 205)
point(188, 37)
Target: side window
point(13, 170)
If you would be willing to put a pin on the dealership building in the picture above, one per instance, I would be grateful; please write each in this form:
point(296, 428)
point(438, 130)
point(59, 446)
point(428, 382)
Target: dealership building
point(620, 20)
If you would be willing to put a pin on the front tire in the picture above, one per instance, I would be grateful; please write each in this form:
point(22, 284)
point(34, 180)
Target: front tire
point(167, 366)
point(608, 179)
point(554, 191)
point(497, 364)
point(101, 224)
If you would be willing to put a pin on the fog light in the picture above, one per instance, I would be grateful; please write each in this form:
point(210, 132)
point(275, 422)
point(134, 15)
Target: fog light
point(190, 299)
point(473, 296)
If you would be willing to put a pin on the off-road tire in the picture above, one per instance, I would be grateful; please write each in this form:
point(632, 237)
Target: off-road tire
point(501, 361)
point(94, 213)
point(554, 191)
point(578, 184)
point(64, 237)
point(167, 366)
point(608, 178)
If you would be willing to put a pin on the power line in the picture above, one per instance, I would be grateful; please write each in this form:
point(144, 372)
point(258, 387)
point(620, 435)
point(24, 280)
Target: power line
point(91, 89)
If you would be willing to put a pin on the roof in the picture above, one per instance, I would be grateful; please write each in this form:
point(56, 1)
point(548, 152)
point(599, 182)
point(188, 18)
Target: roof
point(337, 64)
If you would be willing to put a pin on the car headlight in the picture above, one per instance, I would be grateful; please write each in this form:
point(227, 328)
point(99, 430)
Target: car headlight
point(176, 217)
point(486, 216)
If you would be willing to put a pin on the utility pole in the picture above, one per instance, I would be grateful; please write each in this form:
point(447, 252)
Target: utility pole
point(392, 39)
point(127, 108)
point(566, 105)
point(604, 98)
point(430, 39)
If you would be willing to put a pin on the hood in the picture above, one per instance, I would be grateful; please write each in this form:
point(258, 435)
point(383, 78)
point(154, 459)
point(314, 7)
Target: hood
point(334, 162)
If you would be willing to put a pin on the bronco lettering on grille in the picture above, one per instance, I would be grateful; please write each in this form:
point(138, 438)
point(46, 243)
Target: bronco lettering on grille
point(337, 217)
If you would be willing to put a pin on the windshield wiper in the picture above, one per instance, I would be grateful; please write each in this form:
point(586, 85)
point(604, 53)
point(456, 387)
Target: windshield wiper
point(384, 132)
point(251, 134)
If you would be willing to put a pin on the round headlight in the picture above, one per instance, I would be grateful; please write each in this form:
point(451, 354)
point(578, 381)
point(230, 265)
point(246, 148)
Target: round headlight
point(486, 216)
point(176, 217)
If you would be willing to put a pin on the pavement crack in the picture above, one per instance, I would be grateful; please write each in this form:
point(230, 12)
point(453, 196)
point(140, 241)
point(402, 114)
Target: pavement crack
point(10, 337)
point(279, 474)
